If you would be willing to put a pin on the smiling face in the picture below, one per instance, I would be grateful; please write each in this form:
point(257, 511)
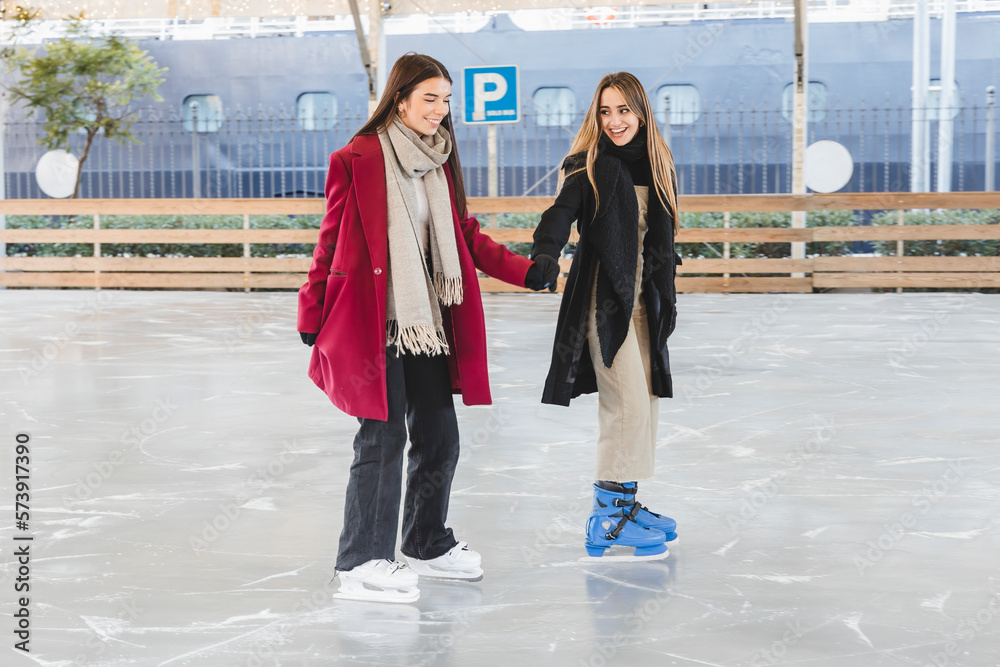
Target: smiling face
point(426, 106)
point(617, 120)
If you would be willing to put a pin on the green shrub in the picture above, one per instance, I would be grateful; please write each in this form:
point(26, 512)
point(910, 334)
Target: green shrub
point(830, 219)
point(945, 248)
point(518, 221)
point(49, 249)
point(162, 222)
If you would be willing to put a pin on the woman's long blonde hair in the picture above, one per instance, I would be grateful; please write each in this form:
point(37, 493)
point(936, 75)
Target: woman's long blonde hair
point(660, 158)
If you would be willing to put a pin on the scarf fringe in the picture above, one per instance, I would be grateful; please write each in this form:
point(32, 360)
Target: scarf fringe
point(449, 290)
point(417, 339)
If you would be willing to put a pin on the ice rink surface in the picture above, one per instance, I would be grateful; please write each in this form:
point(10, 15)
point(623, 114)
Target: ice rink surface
point(831, 460)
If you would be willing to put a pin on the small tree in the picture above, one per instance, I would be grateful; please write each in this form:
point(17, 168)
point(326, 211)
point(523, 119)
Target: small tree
point(83, 83)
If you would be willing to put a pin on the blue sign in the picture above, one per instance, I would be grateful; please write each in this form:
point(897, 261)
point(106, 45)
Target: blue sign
point(492, 94)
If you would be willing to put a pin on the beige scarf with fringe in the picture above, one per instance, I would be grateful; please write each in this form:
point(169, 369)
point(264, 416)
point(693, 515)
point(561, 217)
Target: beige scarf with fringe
point(413, 314)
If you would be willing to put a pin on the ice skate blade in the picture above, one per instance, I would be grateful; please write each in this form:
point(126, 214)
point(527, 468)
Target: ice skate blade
point(372, 596)
point(623, 558)
point(443, 575)
point(391, 597)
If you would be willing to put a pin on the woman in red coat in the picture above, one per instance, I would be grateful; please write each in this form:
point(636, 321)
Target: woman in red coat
point(392, 305)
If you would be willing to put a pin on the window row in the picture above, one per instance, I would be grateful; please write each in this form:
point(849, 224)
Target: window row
point(681, 103)
point(313, 111)
point(554, 106)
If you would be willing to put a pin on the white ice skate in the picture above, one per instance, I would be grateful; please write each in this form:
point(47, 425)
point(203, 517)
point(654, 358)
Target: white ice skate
point(379, 581)
point(460, 562)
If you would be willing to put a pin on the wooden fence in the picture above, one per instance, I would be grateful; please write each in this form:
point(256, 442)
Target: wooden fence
point(714, 275)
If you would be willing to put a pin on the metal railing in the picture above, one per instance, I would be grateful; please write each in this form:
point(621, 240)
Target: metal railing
point(736, 148)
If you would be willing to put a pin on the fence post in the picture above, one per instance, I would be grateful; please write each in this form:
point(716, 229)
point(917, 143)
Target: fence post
point(725, 246)
point(246, 251)
point(97, 253)
point(991, 137)
point(900, 249)
point(800, 122)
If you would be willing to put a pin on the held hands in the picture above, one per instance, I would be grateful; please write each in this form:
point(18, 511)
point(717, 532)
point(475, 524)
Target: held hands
point(308, 338)
point(543, 274)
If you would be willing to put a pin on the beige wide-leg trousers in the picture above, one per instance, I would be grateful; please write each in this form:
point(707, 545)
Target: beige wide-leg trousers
point(628, 412)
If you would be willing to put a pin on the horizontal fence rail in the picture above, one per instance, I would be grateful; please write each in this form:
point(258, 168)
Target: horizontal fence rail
point(696, 275)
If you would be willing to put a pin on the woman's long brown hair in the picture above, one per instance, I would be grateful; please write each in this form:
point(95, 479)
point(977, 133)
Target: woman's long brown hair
point(660, 158)
point(407, 73)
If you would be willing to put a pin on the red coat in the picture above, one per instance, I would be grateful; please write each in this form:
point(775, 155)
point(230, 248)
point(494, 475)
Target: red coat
point(344, 298)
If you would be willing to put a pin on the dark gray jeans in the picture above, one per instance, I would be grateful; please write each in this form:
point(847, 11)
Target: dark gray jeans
point(419, 392)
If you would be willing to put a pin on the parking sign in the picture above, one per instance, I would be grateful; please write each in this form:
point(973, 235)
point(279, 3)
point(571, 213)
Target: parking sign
point(492, 94)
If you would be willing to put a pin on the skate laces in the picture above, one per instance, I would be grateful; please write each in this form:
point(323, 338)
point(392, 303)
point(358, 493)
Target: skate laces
point(393, 566)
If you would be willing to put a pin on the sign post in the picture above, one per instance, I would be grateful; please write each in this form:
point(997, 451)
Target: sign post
point(492, 96)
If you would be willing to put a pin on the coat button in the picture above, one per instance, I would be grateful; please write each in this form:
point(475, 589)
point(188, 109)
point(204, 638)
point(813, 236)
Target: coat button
point(378, 271)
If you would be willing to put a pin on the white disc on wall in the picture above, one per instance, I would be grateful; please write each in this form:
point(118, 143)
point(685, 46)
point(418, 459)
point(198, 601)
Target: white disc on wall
point(56, 173)
point(828, 166)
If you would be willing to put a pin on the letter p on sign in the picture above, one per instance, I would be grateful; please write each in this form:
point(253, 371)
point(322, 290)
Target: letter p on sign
point(481, 95)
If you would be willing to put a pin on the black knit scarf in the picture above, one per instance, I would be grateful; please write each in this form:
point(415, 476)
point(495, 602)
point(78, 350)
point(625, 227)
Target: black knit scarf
point(614, 236)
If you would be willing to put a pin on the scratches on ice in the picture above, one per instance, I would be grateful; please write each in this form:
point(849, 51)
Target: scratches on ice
point(290, 573)
point(777, 578)
point(924, 459)
point(937, 602)
point(964, 535)
point(726, 547)
point(813, 533)
point(854, 623)
point(266, 504)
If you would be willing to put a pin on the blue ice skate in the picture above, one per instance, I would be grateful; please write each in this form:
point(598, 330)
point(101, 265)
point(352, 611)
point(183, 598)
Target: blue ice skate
point(611, 525)
point(645, 517)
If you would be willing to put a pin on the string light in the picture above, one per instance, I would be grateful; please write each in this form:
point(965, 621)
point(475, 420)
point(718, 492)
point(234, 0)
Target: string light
point(198, 9)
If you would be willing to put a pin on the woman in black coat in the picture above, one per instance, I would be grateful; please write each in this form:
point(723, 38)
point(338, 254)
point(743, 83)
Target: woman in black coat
point(618, 308)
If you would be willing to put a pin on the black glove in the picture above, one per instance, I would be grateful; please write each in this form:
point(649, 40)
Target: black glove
point(308, 338)
point(544, 273)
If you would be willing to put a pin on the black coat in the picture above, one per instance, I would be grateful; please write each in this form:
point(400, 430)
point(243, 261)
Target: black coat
point(571, 372)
